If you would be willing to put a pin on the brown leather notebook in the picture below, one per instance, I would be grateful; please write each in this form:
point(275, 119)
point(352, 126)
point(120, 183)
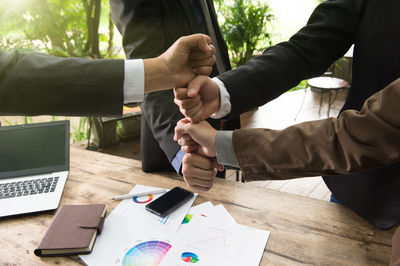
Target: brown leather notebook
point(73, 230)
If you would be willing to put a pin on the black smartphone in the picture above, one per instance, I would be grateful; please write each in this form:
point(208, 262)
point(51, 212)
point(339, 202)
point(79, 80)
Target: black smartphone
point(168, 202)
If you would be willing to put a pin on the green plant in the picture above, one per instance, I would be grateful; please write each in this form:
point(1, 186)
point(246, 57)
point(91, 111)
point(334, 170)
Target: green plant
point(28, 120)
point(56, 27)
point(61, 28)
point(244, 28)
point(80, 132)
point(7, 121)
point(301, 86)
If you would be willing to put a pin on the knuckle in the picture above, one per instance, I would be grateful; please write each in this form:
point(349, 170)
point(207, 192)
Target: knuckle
point(185, 104)
point(186, 160)
point(211, 175)
point(213, 59)
point(184, 112)
point(185, 173)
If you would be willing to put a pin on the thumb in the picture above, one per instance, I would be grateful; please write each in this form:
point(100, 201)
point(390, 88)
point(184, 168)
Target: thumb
point(218, 166)
point(195, 85)
point(180, 128)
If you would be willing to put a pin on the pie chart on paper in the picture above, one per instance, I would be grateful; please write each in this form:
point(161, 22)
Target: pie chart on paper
point(143, 199)
point(190, 257)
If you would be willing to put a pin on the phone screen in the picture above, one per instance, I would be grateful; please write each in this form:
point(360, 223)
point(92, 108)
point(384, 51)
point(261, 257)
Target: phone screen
point(168, 202)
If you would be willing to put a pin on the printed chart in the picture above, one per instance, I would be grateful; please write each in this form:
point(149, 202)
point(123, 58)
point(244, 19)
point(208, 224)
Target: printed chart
point(130, 225)
point(202, 235)
point(149, 253)
point(143, 199)
point(212, 237)
point(187, 218)
point(189, 257)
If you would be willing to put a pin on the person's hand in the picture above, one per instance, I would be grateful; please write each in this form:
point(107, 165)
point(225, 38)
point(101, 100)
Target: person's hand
point(193, 54)
point(198, 138)
point(199, 100)
point(199, 165)
point(189, 56)
point(198, 171)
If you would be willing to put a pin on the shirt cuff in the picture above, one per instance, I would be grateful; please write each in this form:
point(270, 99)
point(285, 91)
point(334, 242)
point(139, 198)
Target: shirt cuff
point(177, 162)
point(225, 100)
point(225, 151)
point(133, 81)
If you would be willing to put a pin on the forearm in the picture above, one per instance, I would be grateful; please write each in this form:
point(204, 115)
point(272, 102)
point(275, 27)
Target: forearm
point(356, 141)
point(38, 84)
point(328, 35)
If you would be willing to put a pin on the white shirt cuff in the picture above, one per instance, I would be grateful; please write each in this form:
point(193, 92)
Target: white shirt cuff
point(133, 81)
point(225, 100)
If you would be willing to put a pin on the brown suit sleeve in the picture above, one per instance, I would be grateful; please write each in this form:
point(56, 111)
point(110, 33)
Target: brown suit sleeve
point(355, 141)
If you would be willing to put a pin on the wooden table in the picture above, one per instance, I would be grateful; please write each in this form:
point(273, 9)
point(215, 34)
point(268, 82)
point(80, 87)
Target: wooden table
point(303, 230)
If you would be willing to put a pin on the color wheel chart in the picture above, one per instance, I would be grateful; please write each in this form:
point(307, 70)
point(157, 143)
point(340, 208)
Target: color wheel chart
point(149, 253)
point(189, 257)
point(143, 199)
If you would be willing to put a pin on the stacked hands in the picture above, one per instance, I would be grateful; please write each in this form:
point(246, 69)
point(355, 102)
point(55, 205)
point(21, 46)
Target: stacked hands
point(197, 137)
point(187, 63)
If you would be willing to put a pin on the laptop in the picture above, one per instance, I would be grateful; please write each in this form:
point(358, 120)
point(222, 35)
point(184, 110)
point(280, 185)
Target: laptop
point(34, 166)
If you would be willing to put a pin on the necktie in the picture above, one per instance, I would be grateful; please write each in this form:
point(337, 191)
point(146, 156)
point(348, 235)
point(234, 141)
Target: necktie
point(204, 7)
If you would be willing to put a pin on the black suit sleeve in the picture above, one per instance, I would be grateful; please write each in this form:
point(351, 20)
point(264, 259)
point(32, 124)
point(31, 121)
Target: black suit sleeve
point(142, 27)
point(328, 34)
point(38, 84)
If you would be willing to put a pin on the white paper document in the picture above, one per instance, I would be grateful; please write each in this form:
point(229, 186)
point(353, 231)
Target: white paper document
point(202, 235)
point(215, 239)
point(130, 224)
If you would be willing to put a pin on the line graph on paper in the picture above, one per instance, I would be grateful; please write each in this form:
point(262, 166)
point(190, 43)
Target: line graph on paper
point(216, 241)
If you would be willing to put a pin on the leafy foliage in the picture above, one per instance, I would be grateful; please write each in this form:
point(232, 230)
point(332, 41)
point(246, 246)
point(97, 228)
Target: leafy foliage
point(60, 28)
point(56, 27)
point(245, 28)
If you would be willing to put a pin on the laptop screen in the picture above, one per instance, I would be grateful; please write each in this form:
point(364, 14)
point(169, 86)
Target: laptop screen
point(34, 149)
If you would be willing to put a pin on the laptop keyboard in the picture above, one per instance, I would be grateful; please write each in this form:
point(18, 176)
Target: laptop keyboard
point(28, 187)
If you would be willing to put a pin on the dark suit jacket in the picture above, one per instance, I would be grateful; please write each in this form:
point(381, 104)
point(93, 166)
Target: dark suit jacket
point(148, 28)
point(373, 26)
point(38, 84)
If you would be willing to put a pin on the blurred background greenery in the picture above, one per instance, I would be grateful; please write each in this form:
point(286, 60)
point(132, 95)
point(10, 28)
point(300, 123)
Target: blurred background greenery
point(83, 28)
point(59, 27)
